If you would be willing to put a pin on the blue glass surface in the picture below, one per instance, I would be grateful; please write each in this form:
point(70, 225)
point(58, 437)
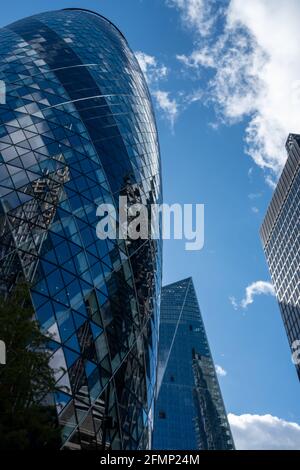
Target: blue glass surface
point(77, 130)
point(190, 412)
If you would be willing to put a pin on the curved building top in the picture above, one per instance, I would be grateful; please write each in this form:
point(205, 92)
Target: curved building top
point(86, 10)
point(77, 130)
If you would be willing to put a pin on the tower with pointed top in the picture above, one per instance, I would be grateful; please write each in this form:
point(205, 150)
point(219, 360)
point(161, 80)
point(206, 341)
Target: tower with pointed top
point(190, 413)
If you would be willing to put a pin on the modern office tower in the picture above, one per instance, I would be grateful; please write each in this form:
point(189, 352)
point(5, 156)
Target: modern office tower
point(189, 412)
point(280, 234)
point(78, 130)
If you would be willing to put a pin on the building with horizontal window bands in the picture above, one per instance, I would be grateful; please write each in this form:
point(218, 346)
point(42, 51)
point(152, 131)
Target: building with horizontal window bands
point(280, 234)
point(189, 413)
point(78, 130)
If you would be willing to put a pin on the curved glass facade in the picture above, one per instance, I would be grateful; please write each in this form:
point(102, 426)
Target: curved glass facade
point(78, 130)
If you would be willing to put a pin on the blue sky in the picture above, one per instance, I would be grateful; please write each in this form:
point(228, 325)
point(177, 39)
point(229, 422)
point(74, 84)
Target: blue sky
point(213, 88)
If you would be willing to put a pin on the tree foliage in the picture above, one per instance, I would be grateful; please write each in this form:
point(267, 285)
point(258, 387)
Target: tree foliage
point(26, 420)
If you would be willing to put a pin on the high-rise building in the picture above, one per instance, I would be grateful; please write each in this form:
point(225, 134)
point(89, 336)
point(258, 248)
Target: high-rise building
point(280, 234)
point(189, 413)
point(78, 130)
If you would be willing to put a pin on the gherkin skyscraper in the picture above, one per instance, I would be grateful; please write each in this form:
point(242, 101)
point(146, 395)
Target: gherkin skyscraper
point(78, 130)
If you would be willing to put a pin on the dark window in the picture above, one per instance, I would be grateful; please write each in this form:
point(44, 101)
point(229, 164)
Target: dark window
point(162, 415)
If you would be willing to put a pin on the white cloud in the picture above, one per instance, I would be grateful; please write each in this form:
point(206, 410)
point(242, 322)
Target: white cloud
point(167, 105)
point(152, 70)
point(255, 210)
point(197, 58)
point(250, 172)
point(256, 288)
point(254, 195)
point(256, 67)
point(234, 302)
point(197, 14)
point(263, 432)
point(154, 73)
point(193, 97)
point(220, 371)
point(270, 181)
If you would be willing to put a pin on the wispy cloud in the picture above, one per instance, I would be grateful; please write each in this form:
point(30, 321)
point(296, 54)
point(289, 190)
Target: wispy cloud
point(155, 73)
point(150, 67)
point(254, 289)
point(200, 57)
point(167, 105)
point(234, 302)
point(257, 288)
point(254, 57)
point(220, 371)
point(254, 195)
point(198, 14)
point(250, 173)
point(270, 181)
point(263, 432)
